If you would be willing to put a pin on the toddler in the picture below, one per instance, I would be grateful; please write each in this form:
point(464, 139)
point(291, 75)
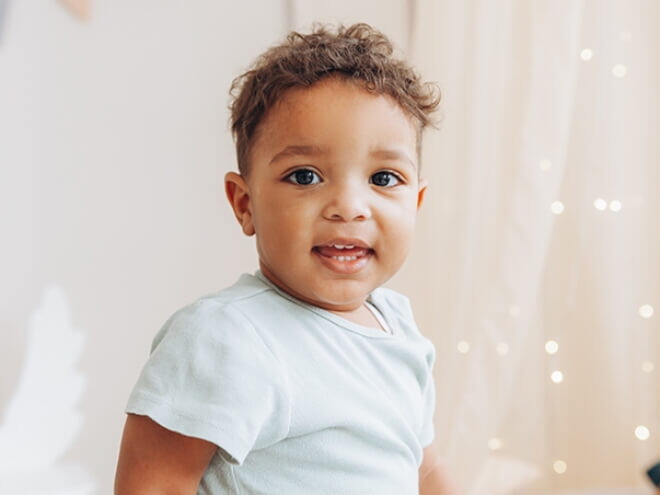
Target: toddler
point(307, 377)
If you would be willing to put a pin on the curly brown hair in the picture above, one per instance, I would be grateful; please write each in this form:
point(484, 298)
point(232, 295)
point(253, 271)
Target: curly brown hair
point(358, 53)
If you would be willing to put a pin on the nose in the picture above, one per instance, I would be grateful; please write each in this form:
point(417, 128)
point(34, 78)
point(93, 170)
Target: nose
point(347, 203)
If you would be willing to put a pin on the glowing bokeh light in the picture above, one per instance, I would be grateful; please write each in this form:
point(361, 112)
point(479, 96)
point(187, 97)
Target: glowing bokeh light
point(551, 347)
point(600, 204)
point(463, 347)
point(502, 348)
point(494, 444)
point(646, 311)
point(557, 207)
point(557, 376)
point(586, 54)
point(642, 432)
point(559, 467)
point(619, 70)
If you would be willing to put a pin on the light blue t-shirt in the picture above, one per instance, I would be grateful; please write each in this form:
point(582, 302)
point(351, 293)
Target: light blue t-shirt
point(298, 399)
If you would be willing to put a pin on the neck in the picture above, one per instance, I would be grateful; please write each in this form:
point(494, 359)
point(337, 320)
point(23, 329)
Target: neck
point(362, 316)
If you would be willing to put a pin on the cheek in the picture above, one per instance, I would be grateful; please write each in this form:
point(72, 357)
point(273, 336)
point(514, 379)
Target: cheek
point(399, 223)
point(283, 222)
point(401, 213)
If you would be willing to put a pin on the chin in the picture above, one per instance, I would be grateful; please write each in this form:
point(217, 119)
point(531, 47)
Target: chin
point(341, 300)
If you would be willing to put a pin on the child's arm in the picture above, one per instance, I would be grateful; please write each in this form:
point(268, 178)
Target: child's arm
point(154, 460)
point(433, 478)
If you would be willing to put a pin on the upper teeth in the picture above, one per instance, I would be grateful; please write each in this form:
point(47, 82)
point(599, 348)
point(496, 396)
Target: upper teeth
point(343, 246)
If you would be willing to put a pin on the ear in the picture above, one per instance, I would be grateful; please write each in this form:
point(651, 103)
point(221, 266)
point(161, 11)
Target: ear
point(423, 183)
point(238, 194)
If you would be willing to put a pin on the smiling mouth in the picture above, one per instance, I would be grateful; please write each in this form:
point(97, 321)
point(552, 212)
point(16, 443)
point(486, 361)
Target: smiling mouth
point(345, 251)
point(344, 257)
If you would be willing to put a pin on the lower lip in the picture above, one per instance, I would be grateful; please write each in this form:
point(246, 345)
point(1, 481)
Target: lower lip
point(346, 267)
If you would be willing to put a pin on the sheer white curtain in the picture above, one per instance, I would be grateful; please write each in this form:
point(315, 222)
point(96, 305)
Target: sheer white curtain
point(537, 259)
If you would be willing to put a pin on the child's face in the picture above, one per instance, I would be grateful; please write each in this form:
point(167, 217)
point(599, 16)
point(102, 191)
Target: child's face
point(332, 193)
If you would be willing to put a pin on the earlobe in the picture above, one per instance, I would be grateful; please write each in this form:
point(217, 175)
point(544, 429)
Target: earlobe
point(421, 192)
point(238, 195)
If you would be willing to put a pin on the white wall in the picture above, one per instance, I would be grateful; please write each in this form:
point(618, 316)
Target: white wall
point(113, 144)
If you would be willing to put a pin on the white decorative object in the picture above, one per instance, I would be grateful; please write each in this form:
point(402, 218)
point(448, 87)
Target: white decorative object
point(42, 420)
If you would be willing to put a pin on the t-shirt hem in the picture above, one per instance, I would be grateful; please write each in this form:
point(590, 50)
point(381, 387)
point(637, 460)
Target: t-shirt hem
point(168, 417)
point(427, 439)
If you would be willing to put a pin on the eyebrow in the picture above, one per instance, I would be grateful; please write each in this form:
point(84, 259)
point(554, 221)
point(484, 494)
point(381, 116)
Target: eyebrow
point(312, 150)
point(305, 150)
point(385, 154)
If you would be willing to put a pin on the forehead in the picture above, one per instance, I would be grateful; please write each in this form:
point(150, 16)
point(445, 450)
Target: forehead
point(327, 94)
point(336, 112)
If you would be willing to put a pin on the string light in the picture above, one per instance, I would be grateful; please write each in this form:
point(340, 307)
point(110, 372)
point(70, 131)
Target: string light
point(646, 311)
point(494, 444)
point(557, 207)
point(551, 347)
point(557, 376)
point(586, 54)
point(642, 432)
point(619, 70)
point(502, 348)
point(648, 367)
point(545, 165)
point(600, 204)
point(463, 347)
point(559, 467)
point(615, 205)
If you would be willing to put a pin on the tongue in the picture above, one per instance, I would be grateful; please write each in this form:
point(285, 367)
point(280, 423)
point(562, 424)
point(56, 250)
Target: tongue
point(332, 251)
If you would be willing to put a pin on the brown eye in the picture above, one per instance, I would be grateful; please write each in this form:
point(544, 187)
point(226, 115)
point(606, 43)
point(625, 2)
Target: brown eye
point(384, 179)
point(303, 177)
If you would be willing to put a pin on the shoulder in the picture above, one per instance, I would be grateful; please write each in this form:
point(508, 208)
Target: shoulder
point(210, 373)
point(214, 336)
point(212, 315)
point(247, 290)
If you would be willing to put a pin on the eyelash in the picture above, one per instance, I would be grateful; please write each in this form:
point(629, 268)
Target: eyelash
point(394, 176)
point(295, 176)
point(297, 173)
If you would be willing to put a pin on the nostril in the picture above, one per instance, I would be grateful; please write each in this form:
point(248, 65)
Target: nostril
point(347, 208)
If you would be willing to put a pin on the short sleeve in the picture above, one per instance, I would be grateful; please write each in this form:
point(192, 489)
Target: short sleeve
point(428, 408)
point(211, 376)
